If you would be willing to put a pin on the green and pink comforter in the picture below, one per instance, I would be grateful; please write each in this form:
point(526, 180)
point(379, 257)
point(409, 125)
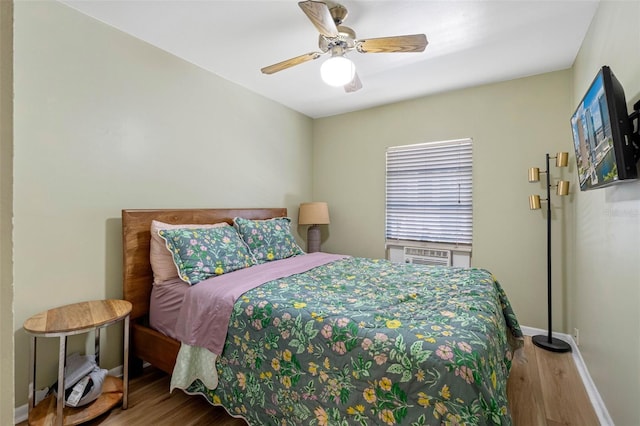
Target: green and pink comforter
point(359, 341)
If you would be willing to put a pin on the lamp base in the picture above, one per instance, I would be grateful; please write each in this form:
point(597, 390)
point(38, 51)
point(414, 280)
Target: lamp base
point(313, 239)
point(555, 345)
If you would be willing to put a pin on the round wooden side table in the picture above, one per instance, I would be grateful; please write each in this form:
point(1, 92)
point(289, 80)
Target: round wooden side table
point(67, 321)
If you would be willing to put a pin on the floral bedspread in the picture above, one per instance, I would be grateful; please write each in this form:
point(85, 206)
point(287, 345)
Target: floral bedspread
point(364, 341)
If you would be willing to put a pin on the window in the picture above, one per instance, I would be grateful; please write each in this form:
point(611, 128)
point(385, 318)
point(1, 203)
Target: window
point(429, 192)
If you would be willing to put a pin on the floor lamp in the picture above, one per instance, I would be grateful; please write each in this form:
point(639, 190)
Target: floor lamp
point(313, 214)
point(562, 188)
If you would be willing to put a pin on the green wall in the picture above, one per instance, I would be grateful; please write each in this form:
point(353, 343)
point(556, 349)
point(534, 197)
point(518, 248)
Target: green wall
point(605, 295)
point(6, 210)
point(104, 121)
point(512, 124)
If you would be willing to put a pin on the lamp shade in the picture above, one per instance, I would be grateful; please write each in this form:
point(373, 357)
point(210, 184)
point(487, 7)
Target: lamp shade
point(316, 213)
point(562, 159)
point(534, 174)
point(534, 202)
point(563, 187)
point(337, 71)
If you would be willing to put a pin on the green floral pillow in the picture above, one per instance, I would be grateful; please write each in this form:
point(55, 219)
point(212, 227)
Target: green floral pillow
point(202, 253)
point(269, 239)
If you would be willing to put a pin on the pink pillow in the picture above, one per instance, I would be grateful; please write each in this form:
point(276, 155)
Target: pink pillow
point(162, 265)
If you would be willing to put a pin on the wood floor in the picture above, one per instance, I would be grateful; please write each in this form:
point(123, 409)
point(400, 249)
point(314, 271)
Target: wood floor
point(546, 390)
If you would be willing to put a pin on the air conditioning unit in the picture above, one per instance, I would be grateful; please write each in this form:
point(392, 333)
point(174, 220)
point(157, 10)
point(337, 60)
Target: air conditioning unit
point(427, 256)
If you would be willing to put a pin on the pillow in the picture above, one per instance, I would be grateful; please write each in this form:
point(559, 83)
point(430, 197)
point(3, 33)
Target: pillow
point(164, 270)
point(202, 253)
point(269, 239)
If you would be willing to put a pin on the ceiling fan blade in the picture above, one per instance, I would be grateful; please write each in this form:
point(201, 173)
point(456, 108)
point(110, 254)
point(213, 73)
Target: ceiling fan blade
point(354, 85)
point(320, 16)
point(406, 43)
point(290, 62)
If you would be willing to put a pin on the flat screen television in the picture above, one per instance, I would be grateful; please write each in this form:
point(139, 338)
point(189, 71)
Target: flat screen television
point(606, 152)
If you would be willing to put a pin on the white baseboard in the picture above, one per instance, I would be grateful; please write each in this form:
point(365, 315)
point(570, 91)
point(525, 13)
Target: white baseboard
point(592, 391)
point(21, 413)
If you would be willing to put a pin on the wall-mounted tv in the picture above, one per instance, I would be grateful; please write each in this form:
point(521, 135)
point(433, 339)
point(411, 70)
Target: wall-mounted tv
point(603, 135)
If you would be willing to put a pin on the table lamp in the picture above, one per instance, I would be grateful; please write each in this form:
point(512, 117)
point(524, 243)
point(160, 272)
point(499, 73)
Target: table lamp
point(314, 214)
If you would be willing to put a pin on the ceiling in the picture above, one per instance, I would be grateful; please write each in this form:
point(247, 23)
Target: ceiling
point(470, 43)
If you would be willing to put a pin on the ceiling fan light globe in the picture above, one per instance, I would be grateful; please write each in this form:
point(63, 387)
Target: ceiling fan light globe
point(337, 71)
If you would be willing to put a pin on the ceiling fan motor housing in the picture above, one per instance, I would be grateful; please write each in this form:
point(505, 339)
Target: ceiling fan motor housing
point(345, 39)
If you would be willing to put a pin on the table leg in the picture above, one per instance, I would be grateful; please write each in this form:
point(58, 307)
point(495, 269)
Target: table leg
point(96, 344)
point(125, 369)
point(62, 360)
point(32, 373)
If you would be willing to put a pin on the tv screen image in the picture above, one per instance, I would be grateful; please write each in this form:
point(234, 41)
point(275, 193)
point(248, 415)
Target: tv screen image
point(602, 134)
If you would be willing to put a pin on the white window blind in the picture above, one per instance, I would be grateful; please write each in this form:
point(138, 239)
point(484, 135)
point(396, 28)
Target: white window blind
point(429, 192)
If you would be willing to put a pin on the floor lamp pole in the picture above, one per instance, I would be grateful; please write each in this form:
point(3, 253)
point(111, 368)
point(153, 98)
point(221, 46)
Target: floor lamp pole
point(549, 342)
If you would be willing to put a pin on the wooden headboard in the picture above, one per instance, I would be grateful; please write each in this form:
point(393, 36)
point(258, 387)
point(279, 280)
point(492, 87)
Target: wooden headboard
point(137, 276)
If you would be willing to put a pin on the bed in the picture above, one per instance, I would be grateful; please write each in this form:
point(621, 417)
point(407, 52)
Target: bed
point(327, 339)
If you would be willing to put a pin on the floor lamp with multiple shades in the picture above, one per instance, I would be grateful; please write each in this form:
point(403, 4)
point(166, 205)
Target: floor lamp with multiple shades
point(314, 214)
point(549, 342)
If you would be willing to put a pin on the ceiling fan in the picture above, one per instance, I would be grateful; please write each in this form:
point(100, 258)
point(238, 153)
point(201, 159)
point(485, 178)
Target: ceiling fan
point(338, 40)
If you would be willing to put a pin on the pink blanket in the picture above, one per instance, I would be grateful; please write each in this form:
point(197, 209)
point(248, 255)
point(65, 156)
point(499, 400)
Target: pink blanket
point(204, 316)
